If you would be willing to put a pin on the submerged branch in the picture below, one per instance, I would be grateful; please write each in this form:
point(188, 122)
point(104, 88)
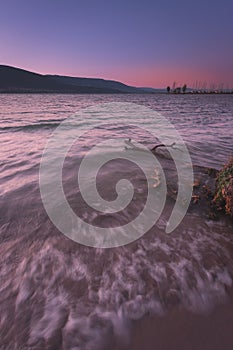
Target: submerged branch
point(132, 146)
point(162, 145)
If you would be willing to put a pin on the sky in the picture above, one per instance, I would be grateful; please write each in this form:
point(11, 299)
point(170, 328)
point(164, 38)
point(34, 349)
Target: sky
point(143, 43)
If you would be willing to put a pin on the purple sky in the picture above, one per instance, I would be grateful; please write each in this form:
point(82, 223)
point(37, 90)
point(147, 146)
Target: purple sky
point(143, 43)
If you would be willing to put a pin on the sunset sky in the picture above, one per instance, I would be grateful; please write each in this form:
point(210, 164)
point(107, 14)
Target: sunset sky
point(142, 43)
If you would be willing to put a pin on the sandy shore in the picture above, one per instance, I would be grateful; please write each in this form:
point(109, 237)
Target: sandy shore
point(182, 330)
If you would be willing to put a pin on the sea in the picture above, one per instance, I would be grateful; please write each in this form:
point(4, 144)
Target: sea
point(58, 293)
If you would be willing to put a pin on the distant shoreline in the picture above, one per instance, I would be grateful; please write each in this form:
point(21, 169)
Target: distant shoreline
point(19, 81)
point(111, 93)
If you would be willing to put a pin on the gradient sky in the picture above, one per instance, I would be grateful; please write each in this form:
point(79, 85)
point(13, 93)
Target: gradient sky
point(142, 43)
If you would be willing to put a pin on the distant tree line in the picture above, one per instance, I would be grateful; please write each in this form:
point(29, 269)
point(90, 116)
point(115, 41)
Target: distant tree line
point(199, 88)
point(178, 89)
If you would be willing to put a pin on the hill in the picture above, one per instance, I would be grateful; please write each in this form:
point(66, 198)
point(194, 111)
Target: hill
point(95, 83)
point(16, 80)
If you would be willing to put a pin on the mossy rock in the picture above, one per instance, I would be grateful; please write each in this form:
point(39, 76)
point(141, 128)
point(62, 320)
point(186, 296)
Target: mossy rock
point(223, 198)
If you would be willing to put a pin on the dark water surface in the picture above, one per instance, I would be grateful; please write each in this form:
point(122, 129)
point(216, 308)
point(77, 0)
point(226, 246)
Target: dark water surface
point(57, 294)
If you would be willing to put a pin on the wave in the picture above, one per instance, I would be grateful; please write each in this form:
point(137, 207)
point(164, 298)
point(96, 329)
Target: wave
point(30, 127)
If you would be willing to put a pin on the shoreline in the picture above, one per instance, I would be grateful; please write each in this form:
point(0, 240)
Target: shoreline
point(15, 92)
point(181, 329)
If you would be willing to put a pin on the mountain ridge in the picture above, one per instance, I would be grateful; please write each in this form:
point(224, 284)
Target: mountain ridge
point(18, 80)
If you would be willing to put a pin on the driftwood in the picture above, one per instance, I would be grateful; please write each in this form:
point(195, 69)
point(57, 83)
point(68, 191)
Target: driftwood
point(132, 146)
point(162, 145)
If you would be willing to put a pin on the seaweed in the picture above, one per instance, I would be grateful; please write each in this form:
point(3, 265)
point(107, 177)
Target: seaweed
point(223, 198)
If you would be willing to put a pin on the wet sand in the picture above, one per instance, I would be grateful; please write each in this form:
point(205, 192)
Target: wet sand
point(182, 330)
